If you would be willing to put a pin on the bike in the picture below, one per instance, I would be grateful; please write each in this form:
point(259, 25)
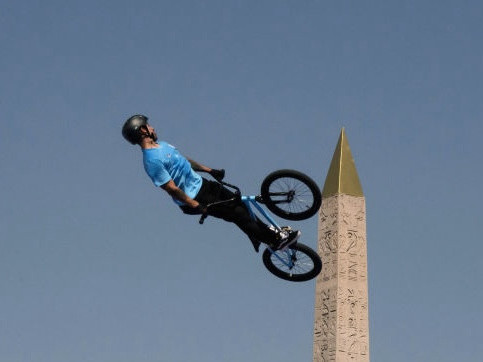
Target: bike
point(291, 195)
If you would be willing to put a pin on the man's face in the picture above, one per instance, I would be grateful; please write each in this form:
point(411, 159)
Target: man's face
point(152, 132)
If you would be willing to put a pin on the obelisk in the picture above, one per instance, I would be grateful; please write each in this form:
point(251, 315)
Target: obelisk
point(341, 326)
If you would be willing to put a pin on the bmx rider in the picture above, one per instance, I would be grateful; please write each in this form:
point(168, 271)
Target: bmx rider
point(178, 176)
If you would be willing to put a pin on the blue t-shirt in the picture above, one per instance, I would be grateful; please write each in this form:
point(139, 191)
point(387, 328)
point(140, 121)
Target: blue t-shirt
point(165, 163)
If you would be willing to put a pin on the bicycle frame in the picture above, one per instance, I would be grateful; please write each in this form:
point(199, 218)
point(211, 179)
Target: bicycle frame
point(294, 263)
point(252, 201)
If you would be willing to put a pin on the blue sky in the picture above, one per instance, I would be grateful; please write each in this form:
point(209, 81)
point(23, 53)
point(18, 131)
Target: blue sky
point(98, 265)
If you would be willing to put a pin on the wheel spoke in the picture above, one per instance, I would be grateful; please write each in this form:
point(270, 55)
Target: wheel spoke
point(301, 265)
point(291, 194)
point(303, 197)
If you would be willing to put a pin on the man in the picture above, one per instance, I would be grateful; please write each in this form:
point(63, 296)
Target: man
point(177, 175)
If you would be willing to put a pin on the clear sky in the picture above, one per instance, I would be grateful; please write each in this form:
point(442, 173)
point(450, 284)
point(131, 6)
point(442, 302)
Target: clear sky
point(98, 265)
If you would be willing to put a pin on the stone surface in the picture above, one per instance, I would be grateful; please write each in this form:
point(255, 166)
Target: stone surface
point(341, 325)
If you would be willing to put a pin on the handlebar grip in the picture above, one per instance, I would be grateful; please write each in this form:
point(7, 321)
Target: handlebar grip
point(202, 218)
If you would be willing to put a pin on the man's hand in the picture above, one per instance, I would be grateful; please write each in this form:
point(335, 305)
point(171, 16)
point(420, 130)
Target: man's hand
point(178, 194)
point(218, 175)
point(202, 208)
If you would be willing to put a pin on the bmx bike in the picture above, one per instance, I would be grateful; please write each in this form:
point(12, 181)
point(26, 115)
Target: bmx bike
point(291, 195)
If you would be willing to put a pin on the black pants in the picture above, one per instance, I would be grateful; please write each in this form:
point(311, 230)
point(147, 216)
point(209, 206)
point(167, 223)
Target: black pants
point(234, 211)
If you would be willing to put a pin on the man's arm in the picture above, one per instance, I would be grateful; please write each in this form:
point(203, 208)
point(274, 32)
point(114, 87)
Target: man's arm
point(217, 174)
point(174, 191)
point(198, 166)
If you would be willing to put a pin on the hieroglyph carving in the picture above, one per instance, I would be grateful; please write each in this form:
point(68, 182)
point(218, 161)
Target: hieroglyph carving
point(341, 330)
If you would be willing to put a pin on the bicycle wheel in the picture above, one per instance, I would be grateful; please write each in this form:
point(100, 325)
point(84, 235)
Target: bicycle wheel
point(298, 263)
point(291, 194)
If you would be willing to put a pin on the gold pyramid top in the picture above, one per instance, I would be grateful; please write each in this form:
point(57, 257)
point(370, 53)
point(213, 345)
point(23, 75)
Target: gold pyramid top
point(342, 177)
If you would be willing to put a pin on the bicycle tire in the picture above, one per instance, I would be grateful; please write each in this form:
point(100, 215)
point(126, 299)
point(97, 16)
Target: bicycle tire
point(307, 263)
point(291, 194)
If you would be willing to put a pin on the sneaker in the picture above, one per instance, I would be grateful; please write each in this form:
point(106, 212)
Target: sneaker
point(290, 238)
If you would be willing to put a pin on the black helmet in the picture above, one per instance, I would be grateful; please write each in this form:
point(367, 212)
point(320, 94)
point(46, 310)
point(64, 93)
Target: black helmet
point(131, 128)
